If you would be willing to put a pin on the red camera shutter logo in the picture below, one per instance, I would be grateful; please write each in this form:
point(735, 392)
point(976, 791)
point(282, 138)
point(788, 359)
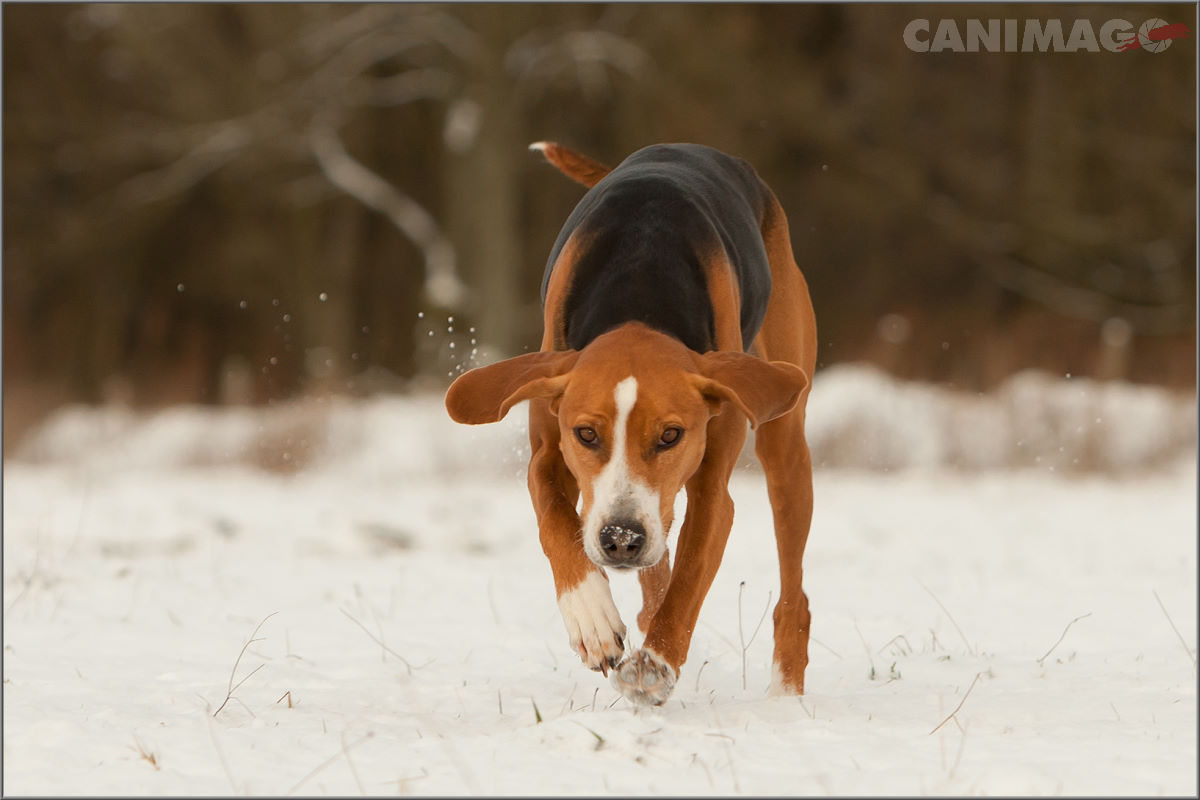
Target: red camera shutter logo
point(1156, 35)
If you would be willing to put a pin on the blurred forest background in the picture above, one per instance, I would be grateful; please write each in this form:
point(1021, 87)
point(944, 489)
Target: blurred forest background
point(236, 203)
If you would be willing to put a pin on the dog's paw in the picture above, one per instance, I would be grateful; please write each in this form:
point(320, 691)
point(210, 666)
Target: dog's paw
point(785, 684)
point(645, 678)
point(593, 623)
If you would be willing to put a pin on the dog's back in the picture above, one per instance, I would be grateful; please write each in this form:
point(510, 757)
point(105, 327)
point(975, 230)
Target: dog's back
point(651, 223)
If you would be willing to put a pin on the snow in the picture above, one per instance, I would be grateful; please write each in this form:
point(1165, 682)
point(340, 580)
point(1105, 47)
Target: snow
point(858, 418)
point(409, 640)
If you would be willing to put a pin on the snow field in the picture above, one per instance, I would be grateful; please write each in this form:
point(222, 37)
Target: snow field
point(410, 623)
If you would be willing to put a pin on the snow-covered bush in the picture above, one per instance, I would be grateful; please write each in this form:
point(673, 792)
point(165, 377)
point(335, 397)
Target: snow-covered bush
point(858, 417)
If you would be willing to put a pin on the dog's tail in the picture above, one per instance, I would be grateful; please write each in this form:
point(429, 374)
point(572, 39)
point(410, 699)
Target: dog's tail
point(575, 166)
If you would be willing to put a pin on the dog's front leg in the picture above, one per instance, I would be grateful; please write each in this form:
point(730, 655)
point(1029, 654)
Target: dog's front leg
point(589, 613)
point(649, 675)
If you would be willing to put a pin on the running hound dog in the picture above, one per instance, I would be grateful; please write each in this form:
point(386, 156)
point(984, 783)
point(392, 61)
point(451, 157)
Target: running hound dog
point(674, 313)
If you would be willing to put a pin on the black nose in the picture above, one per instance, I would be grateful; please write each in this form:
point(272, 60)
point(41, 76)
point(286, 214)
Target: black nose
point(622, 542)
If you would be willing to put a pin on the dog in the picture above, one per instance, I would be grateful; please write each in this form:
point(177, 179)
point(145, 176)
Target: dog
point(674, 314)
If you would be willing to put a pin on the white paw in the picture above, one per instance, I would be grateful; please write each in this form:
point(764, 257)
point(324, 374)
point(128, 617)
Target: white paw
point(777, 687)
point(780, 685)
point(645, 678)
point(593, 623)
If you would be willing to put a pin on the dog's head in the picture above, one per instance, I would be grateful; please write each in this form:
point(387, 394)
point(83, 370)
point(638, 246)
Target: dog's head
point(633, 410)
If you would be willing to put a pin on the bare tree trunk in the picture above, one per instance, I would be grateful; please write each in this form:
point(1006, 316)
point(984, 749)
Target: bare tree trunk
point(484, 140)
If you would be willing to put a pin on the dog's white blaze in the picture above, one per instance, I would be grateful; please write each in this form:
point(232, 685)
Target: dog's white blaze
point(617, 491)
point(591, 616)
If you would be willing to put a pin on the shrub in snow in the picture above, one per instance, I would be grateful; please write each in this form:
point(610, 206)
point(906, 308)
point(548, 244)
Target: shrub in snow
point(858, 417)
point(861, 417)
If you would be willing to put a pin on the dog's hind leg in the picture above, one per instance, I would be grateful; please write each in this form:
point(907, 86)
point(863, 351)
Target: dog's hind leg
point(784, 455)
point(789, 333)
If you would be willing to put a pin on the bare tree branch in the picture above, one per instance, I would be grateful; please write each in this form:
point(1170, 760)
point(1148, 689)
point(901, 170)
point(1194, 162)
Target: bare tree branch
point(328, 37)
point(1083, 303)
point(451, 33)
point(358, 56)
point(416, 84)
point(372, 29)
point(225, 143)
point(442, 284)
point(537, 62)
point(603, 47)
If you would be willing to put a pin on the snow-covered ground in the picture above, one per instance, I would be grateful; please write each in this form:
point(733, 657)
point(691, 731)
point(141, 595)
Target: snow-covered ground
point(1004, 594)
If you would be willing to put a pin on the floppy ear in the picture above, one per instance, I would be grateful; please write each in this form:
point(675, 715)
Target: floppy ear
point(485, 394)
point(763, 390)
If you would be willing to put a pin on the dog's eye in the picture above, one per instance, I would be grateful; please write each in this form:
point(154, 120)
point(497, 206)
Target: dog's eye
point(669, 438)
point(587, 436)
